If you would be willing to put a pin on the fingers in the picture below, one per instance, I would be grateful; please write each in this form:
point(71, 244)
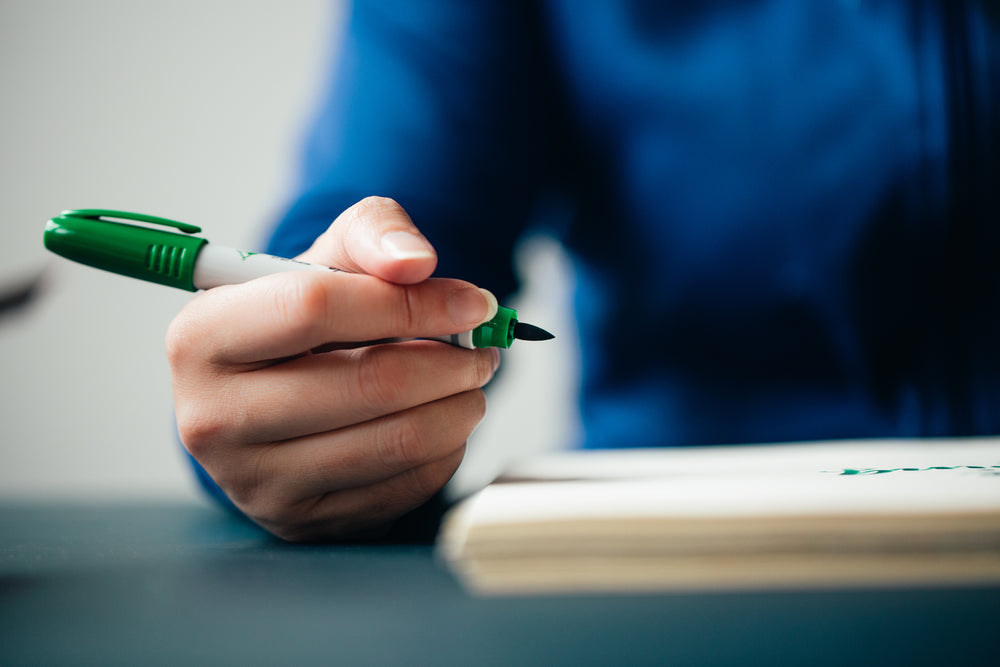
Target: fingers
point(364, 511)
point(323, 392)
point(313, 445)
point(287, 473)
point(284, 315)
point(375, 237)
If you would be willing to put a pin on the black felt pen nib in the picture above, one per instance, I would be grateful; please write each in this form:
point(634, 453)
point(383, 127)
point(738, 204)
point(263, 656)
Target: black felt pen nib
point(523, 331)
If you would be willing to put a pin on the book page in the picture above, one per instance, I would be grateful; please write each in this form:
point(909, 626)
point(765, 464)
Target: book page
point(870, 477)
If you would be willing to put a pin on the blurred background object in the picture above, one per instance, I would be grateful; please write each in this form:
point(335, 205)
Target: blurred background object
point(193, 111)
point(16, 296)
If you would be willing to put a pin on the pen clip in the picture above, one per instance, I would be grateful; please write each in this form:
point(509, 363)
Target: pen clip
point(104, 214)
point(104, 239)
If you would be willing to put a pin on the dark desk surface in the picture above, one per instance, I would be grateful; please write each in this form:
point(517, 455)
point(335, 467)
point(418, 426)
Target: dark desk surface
point(186, 584)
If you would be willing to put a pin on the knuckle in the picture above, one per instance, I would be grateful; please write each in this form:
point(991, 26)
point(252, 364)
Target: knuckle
point(278, 519)
point(178, 340)
point(174, 345)
point(294, 533)
point(281, 522)
point(200, 428)
point(400, 442)
point(301, 305)
point(479, 398)
point(483, 369)
point(379, 385)
point(217, 415)
point(250, 488)
point(475, 406)
point(248, 498)
point(337, 524)
point(429, 479)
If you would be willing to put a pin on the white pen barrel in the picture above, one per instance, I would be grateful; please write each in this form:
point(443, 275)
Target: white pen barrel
point(218, 265)
point(463, 339)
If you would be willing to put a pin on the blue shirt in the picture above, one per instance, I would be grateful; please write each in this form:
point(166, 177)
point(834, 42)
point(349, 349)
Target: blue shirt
point(782, 215)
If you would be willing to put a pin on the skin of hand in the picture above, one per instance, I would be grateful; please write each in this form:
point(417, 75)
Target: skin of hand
point(322, 445)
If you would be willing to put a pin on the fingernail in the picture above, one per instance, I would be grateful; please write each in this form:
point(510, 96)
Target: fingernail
point(494, 306)
point(470, 306)
point(404, 245)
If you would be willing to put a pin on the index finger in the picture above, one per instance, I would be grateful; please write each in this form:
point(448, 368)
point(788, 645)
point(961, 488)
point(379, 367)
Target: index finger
point(287, 314)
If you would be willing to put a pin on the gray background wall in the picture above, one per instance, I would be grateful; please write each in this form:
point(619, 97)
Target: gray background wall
point(191, 110)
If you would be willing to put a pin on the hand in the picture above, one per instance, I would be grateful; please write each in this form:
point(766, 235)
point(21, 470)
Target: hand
point(323, 445)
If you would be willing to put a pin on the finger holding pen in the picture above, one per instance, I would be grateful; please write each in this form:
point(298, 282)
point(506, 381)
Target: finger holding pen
point(261, 352)
point(310, 435)
point(375, 237)
point(324, 445)
point(281, 438)
point(299, 311)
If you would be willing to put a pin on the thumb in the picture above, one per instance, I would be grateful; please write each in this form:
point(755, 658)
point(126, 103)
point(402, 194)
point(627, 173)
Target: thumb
point(375, 237)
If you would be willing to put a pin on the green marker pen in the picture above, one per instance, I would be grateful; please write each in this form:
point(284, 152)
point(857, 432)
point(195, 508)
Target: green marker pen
point(91, 237)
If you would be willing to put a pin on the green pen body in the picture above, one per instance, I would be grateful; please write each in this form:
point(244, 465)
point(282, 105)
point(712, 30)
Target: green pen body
point(182, 261)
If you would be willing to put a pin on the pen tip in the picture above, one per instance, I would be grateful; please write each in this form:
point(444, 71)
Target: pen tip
point(524, 331)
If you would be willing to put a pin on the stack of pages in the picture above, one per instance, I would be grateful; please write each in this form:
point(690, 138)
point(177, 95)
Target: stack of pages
point(855, 513)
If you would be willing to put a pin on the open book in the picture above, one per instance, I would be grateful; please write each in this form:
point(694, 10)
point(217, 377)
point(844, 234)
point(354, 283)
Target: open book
point(848, 513)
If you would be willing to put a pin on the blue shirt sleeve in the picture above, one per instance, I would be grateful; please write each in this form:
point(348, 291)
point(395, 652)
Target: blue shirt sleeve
point(437, 105)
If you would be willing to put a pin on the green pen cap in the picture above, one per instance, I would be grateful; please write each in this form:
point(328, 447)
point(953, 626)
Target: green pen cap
point(154, 255)
point(498, 332)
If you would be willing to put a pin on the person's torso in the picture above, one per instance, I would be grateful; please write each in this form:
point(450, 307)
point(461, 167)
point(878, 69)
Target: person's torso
point(782, 220)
